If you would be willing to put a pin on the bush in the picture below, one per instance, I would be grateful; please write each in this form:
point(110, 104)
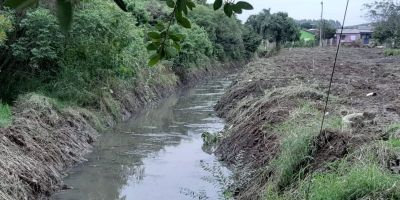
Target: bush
point(196, 48)
point(392, 52)
point(104, 44)
point(225, 33)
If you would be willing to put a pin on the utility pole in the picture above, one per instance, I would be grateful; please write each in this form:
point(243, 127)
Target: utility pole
point(321, 44)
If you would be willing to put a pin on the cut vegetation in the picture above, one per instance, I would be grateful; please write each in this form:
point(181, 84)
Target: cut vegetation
point(274, 114)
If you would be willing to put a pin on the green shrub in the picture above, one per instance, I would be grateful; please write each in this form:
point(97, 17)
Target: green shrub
point(104, 45)
point(5, 27)
point(31, 55)
point(392, 52)
point(5, 115)
point(225, 33)
point(196, 48)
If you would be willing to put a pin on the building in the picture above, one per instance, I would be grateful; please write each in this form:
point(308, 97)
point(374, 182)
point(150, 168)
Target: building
point(361, 35)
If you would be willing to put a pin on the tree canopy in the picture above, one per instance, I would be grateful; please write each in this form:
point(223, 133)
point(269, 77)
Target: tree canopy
point(385, 15)
point(277, 27)
point(163, 39)
point(105, 45)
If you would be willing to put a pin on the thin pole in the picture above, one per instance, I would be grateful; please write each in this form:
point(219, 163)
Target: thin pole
point(328, 94)
point(321, 44)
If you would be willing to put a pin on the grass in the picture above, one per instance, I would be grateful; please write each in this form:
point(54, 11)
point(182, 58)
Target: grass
point(306, 36)
point(362, 174)
point(392, 52)
point(5, 115)
point(297, 135)
point(356, 181)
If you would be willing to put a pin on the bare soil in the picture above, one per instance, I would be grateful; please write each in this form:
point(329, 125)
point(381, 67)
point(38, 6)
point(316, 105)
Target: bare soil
point(250, 103)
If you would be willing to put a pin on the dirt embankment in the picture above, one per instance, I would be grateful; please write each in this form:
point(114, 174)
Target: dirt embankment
point(266, 98)
point(46, 138)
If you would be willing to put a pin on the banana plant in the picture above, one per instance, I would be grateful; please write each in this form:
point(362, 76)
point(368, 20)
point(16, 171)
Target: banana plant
point(163, 41)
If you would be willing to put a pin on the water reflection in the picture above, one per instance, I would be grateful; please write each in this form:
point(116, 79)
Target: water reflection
point(155, 155)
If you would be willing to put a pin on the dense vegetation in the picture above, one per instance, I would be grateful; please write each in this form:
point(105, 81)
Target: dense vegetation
point(106, 46)
point(277, 27)
point(385, 15)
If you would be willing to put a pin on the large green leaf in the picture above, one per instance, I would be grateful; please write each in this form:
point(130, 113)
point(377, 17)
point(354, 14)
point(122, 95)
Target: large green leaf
point(64, 14)
point(236, 9)
point(154, 59)
point(183, 21)
point(20, 4)
point(217, 4)
point(154, 35)
point(170, 3)
point(228, 9)
point(151, 47)
point(121, 4)
point(244, 5)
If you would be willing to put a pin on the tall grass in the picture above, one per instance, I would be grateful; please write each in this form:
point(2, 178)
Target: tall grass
point(362, 174)
point(392, 52)
point(5, 115)
point(298, 133)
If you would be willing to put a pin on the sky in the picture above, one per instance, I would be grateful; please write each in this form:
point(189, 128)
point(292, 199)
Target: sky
point(311, 9)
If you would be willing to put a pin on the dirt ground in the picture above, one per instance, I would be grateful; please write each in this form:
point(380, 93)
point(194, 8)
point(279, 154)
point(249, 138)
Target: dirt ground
point(250, 104)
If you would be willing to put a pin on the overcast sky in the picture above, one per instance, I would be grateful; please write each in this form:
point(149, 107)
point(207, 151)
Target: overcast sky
point(311, 9)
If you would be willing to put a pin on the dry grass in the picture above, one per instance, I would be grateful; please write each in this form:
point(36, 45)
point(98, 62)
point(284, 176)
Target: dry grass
point(41, 142)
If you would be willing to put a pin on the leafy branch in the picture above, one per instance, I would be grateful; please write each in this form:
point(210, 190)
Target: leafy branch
point(163, 41)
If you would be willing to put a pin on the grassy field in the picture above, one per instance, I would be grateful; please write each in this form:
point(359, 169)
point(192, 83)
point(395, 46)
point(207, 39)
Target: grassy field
point(306, 36)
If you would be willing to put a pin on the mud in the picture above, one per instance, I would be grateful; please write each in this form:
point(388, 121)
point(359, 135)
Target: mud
point(269, 89)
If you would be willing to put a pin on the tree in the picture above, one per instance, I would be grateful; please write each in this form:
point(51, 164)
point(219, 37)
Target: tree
point(162, 38)
point(328, 31)
point(385, 15)
point(277, 27)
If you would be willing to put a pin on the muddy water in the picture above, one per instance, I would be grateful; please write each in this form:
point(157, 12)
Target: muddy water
point(155, 156)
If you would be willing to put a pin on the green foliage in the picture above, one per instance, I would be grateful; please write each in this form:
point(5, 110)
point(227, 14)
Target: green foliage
point(103, 45)
point(40, 44)
point(31, 54)
point(392, 52)
point(5, 115)
point(260, 23)
point(328, 31)
point(161, 45)
point(354, 182)
point(314, 24)
point(298, 133)
point(386, 17)
point(5, 27)
point(197, 49)
point(251, 42)
point(225, 33)
point(277, 27)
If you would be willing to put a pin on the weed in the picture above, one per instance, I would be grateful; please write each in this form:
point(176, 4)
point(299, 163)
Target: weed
point(5, 115)
point(354, 181)
point(392, 52)
point(297, 135)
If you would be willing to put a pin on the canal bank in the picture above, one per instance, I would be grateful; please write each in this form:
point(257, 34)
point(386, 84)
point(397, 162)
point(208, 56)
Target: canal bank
point(156, 155)
point(46, 137)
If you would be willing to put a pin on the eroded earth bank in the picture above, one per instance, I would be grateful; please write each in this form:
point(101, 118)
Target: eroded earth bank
point(273, 113)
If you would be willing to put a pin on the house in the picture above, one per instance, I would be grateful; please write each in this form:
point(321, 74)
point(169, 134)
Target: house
point(362, 34)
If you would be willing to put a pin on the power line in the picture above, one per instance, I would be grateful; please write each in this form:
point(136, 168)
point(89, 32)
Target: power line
point(329, 88)
point(333, 69)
